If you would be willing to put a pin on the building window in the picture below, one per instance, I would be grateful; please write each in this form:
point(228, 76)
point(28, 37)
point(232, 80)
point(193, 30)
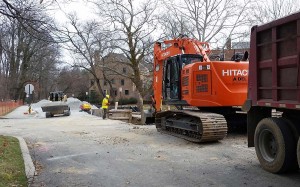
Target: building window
point(113, 81)
point(115, 92)
point(124, 70)
point(126, 92)
point(122, 82)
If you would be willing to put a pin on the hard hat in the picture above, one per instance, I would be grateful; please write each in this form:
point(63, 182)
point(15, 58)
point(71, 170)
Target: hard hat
point(107, 96)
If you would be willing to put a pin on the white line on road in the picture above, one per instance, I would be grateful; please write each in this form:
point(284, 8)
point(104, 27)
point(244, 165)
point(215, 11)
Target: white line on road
point(68, 156)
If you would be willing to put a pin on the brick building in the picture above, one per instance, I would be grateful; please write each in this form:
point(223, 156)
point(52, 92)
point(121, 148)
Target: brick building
point(112, 83)
point(233, 50)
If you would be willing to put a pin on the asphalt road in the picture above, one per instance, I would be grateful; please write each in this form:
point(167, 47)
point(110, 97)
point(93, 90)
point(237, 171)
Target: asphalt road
point(84, 150)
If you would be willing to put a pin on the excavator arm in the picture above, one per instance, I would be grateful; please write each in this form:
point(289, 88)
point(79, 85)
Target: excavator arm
point(180, 46)
point(169, 48)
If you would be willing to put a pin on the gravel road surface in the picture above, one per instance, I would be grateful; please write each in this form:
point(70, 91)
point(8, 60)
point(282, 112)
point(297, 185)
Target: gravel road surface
point(84, 150)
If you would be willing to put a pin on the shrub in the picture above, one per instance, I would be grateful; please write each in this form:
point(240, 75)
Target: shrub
point(95, 98)
point(126, 101)
point(132, 100)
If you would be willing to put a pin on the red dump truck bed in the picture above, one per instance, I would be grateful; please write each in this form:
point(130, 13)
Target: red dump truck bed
point(274, 74)
point(273, 104)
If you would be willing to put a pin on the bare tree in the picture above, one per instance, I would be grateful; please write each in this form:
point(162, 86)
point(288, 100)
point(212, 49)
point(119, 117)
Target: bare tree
point(44, 69)
point(30, 15)
point(131, 23)
point(209, 20)
point(264, 11)
point(24, 48)
point(173, 25)
point(73, 81)
point(88, 43)
point(17, 9)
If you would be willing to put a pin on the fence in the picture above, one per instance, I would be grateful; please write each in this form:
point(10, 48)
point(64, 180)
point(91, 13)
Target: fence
point(8, 106)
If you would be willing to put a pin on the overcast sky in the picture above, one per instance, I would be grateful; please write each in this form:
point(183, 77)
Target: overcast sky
point(83, 10)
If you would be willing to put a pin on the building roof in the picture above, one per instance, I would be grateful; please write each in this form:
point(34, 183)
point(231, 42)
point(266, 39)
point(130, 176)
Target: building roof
point(240, 45)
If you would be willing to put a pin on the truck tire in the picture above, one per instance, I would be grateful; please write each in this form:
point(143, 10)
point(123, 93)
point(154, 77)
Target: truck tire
point(275, 145)
point(298, 152)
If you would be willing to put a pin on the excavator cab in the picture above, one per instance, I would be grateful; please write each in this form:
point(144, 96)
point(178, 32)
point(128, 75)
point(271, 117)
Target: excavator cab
point(172, 76)
point(171, 79)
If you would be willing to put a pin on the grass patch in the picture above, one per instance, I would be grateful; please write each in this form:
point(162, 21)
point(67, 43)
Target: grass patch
point(12, 169)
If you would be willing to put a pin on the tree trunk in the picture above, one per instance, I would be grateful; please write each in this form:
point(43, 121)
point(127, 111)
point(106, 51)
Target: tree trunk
point(140, 106)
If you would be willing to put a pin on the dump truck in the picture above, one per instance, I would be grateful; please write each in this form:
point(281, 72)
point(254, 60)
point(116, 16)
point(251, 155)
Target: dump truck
point(273, 101)
point(57, 105)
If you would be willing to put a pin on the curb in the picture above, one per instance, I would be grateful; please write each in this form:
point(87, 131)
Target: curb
point(29, 166)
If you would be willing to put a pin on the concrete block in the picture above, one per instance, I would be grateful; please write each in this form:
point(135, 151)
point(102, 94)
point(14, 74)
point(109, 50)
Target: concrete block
point(97, 112)
point(123, 115)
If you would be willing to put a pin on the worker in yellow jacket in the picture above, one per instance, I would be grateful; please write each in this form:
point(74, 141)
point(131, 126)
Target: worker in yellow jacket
point(105, 104)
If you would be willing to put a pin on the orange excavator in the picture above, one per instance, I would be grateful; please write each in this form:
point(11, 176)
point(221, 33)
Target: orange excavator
point(207, 95)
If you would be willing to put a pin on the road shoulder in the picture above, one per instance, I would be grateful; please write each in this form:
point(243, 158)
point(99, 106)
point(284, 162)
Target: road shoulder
point(29, 166)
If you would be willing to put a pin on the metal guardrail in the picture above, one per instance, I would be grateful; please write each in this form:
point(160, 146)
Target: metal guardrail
point(8, 106)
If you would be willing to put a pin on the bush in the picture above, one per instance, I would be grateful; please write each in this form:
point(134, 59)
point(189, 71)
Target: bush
point(126, 101)
point(82, 96)
point(132, 100)
point(95, 98)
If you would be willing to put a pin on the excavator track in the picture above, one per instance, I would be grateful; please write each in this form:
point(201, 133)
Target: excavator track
point(194, 126)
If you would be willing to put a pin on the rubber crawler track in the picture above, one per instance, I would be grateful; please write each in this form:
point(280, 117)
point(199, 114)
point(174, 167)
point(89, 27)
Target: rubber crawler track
point(211, 126)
